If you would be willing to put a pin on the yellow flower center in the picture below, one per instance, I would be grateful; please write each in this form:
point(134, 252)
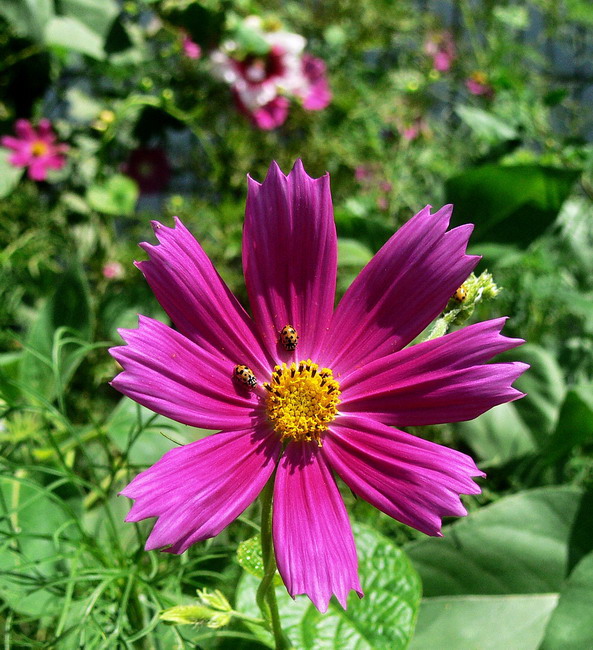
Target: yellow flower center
point(302, 401)
point(38, 148)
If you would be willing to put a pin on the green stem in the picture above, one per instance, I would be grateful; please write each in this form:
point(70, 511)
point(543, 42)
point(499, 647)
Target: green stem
point(266, 595)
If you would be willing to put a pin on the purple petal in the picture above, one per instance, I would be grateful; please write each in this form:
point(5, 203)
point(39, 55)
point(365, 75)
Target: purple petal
point(318, 93)
point(313, 540)
point(37, 169)
point(13, 143)
point(198, 489)
point(443, 380)
point(290, 257)
point(412, 480)
point(400, 291)
point(173, 376)
point(24, 130)
point(271, 115)
point(198, 301)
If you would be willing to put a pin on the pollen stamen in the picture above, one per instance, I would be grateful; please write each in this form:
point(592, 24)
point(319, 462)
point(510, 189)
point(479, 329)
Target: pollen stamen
point(302, 403)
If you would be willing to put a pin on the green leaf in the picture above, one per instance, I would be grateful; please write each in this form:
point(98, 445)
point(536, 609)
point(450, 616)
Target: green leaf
point(28, 18)
point(71, 34)
point(9, 174)
point(509, 204)
point(545, 388)
point(384, 618)
point(512, 431)
point(31, 547)
point(96, 15)
point(369, 232)
point(575, 424)
point(144, 434)
point(250, 558)
point(485, 125)
point(49, 361)
point(474, 622)
point(116, 196)
point(497, 436)
point(522, 544)
point(571, 624)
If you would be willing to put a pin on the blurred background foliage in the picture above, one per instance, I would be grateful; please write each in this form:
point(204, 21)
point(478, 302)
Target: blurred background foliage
point(483, 104)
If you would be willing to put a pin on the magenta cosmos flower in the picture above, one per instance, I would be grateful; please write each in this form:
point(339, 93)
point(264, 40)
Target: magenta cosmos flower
point(35, 148)
point(334, 386)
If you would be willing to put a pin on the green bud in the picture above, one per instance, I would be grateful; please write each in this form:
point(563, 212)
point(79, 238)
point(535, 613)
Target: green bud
point(188, 615)
point(463, 302)
point(216, 600)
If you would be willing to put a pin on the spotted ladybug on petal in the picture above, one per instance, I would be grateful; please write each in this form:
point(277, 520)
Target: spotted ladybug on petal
point(245, 376)
point(289, 338)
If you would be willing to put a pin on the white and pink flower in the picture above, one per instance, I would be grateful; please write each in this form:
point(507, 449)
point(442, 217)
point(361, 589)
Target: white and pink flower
point(263, 84)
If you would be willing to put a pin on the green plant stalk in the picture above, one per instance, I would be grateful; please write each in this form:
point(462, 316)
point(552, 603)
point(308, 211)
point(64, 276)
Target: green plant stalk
point(266, 596)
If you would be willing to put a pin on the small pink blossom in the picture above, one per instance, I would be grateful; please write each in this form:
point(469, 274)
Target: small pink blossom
point(190, 48)
point(35, 148)
point(263, 84)
point(276, 406)
point(413, 130)
point(477, 84)
point(113, 271)
point(441, 47)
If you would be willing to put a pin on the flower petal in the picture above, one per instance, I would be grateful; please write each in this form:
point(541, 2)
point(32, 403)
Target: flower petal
point(443, 380)
point(412, 480)
point(313, 540)
point(198, 489)
point(24, 130)
point(400, 291)
point(173, 376)
point(198, 301)
point(290, 257)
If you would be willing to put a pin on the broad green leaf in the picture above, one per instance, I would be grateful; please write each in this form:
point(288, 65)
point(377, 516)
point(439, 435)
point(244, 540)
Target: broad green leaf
point(497, 436)
point(571, 624)
point(522, 544)
point(370, 232)
point(512, 204)
point(483, 622)
point(9, 175)
point(384, 618)
point(145, 435)
point(514, 430)
point(250, 558)
point(575, 424)
point(30, 548)
point(27, 17)
point(485, 125)
point(116, 196)
point(545, 388)
point(96, 15)
point(71, 34)
point(66, 314)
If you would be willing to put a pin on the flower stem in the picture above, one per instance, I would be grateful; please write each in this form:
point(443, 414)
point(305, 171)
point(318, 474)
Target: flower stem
point(266, 596)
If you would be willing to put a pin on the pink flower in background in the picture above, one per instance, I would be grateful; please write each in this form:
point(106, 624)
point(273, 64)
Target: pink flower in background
point(191, 49)
point(113, 271)
point(441, 47)
point(414, 129)
point(477, 84)
point(331, 401)
point(149, 167)
point(262, 84)
point(35, 148)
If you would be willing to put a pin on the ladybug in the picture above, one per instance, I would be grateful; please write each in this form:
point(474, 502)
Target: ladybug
point(460, 295)
point(289, 338)
point(245, 376)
